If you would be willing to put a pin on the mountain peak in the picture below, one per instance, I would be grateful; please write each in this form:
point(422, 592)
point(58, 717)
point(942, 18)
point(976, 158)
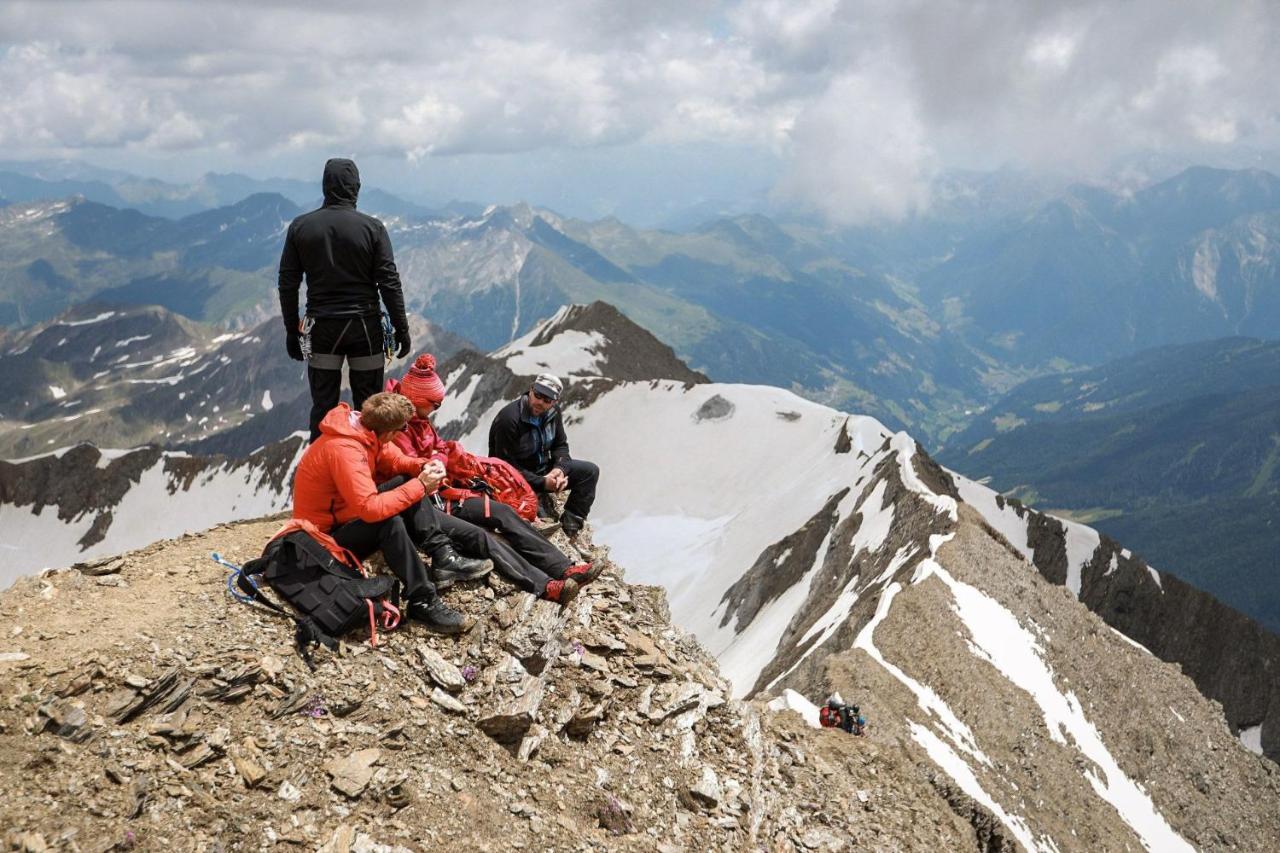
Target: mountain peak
point(595, 340)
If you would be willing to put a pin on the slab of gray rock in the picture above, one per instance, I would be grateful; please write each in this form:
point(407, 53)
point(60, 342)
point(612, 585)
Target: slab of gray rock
point(351, 774)
point(534, 639)
point(449, 703)
point(440, 670)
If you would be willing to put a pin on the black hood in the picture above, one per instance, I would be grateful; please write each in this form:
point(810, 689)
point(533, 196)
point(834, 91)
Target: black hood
point(341, 182)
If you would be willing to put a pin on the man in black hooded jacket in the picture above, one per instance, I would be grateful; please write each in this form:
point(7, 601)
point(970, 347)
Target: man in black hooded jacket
point(346, 258)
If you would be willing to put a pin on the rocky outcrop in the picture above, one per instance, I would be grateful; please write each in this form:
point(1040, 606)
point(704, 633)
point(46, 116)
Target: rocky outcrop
point(152, 726)
point(950, 665)
point(782, 565)
point(630, 354)
point(1231, 658)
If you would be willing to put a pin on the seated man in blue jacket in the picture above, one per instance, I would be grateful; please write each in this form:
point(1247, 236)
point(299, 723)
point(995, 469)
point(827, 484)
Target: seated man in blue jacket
point(529, 433)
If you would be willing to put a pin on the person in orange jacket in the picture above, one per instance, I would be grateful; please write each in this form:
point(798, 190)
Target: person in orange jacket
point(335, 489)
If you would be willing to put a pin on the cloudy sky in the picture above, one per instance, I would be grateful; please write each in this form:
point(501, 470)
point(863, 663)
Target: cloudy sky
point(848, 108)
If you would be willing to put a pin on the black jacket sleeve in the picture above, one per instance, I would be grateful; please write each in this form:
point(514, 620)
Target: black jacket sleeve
point(504, 439)
point(289, 281)
point(388, 279)
point(560, 445)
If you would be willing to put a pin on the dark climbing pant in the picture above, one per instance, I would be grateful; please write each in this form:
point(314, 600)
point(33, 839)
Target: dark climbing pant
point(520, 553)
point(390, 536)
point(399, 538)
point(582, 485)
point(349, 338)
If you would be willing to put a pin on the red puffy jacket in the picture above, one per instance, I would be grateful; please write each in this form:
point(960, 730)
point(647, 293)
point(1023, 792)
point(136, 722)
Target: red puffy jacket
point(420, 439)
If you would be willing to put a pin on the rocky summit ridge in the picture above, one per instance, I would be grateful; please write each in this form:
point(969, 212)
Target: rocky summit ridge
point(144, 709)
point(806, 550)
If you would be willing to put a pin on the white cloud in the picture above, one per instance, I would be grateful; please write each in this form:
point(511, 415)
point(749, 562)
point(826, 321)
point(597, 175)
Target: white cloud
point(866, 97)
point(858, 153)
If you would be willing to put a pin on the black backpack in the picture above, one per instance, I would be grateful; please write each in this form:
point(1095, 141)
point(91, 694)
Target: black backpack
point(330, 597)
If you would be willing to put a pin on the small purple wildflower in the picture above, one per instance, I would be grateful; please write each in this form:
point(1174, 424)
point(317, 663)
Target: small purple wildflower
point(578, 648)
point(469, 672)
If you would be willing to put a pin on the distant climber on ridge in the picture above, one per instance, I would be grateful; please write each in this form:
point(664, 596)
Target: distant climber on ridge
point(520, 553)
point(346, 259)
point(334, 489)
point(529, 434)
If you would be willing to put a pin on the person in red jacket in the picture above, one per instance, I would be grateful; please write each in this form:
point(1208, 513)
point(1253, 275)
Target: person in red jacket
point(520, 553)
point(334, 488)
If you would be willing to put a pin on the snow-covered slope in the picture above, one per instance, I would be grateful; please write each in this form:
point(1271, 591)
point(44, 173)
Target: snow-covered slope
point(793, 539)
point(80, 503)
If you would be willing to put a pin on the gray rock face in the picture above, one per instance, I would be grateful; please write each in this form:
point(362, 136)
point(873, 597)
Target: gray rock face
point(1231, 658)
point(716, 408)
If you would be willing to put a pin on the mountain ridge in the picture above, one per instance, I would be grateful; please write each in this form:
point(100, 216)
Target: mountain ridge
point(927, 598)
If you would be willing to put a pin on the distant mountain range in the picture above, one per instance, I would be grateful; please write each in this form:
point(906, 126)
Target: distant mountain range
point(128, 376)
point(920, 323)
point(39, 181)
point(1094, 275)
point(1173, 451)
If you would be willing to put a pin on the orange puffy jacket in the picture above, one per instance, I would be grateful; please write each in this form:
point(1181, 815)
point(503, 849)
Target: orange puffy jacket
point(335, 480)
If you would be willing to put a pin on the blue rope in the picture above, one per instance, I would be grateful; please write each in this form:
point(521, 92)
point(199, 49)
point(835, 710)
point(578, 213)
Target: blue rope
point(231, 579)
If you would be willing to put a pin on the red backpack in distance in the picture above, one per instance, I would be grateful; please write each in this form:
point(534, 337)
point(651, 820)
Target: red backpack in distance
point(490, 477)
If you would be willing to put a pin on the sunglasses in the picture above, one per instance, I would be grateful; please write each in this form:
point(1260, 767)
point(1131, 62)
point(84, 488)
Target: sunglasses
point(543, 397)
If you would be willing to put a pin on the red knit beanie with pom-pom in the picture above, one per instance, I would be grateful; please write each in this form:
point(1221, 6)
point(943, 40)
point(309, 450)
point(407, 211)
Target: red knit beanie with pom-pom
point(422, 385)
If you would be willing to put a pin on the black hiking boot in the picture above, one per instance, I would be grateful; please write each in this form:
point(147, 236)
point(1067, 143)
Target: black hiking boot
point(448, 567)
point(547, 507)
point(571, 523)
point(438, 616)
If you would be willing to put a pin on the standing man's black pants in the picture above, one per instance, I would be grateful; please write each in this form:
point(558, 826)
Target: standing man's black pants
point(358, 340)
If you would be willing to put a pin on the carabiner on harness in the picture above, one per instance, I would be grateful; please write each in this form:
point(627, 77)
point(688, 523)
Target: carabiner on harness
point(304, 337)
point(388, 337)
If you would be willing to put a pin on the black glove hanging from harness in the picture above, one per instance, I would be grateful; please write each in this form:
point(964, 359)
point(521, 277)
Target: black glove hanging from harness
point(403, 343)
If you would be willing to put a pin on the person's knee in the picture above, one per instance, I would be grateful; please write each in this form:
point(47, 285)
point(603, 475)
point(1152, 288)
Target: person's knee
point(502, 513)
point(588, 472)
point(392, 529)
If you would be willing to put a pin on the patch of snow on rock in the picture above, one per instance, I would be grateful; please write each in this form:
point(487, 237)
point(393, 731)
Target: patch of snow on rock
point(790, 700)
point(959, 734)
point(1005, 521)
point(1252, 739)
point(454, 404)
point(905, 446)
point(946, 758)
point(106, 315)
point(1082, 542)
point(998, 638)
point(569, 353)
